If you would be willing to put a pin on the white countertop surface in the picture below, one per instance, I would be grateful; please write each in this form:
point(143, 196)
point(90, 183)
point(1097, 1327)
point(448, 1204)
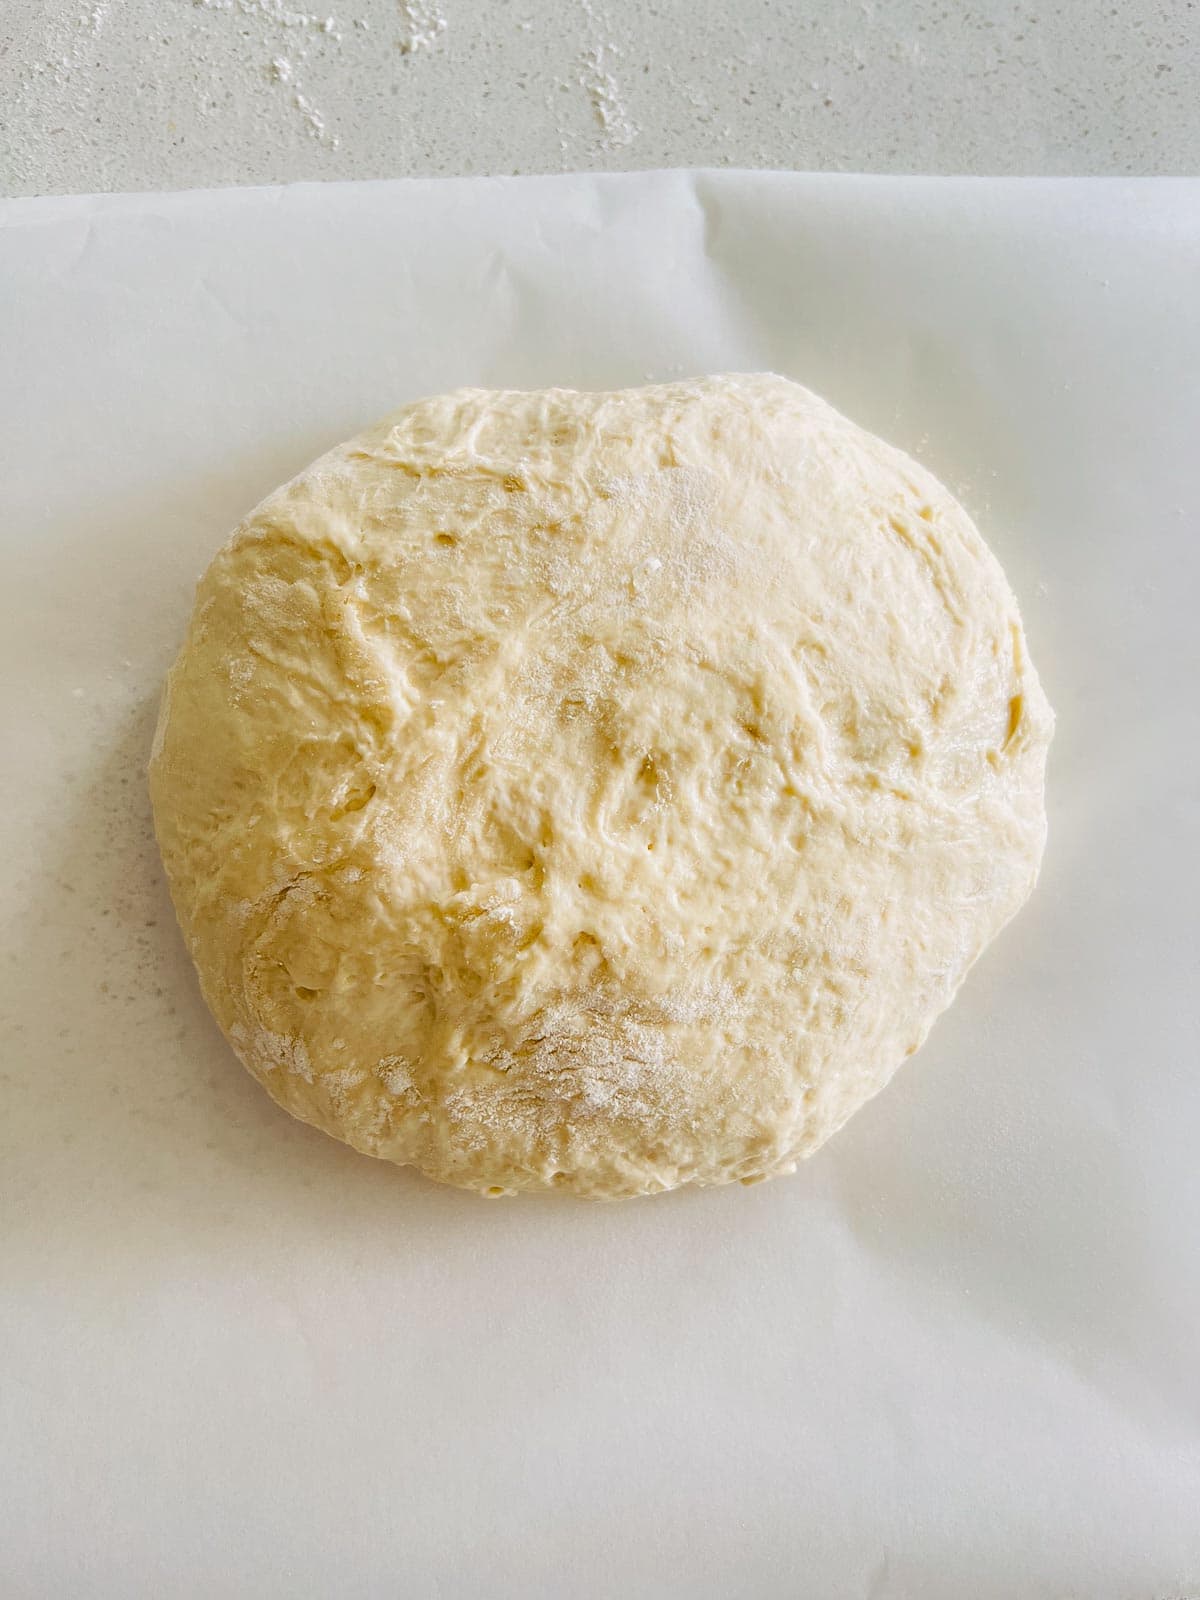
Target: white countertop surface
point(102, 95)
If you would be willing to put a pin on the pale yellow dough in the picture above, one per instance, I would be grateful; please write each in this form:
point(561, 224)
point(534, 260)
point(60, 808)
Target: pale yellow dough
point(599, 791)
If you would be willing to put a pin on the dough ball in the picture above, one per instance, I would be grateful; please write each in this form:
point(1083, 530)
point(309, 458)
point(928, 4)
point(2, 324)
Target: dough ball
point(598, 791)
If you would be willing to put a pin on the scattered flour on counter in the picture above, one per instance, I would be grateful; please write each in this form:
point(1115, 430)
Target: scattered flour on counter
point(616, 126)
point(596, 76)
point(314, 121)
point(302, 26)
point(421, 26)
point(271, 10)
point(43, 97)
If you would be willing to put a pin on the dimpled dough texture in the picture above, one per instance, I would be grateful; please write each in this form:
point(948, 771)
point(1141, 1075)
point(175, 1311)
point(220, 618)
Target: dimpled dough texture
point(600, 791)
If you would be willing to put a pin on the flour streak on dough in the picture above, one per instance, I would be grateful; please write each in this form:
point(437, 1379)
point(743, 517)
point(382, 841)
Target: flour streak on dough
point(599, 791)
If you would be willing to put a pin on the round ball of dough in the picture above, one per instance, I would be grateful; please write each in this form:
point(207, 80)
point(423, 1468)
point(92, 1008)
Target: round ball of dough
point(598, 791)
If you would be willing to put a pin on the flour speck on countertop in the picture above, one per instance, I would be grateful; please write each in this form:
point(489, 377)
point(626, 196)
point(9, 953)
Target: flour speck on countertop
point(598, 69)
point(616, 125)
point(422, 25)
point(314, 121)
point(597, 75)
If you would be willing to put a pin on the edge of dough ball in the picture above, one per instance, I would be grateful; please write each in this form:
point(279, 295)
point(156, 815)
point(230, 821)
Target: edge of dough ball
point(597, 791)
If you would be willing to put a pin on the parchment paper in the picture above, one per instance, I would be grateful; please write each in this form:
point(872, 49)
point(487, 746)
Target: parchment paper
point(958, 1355)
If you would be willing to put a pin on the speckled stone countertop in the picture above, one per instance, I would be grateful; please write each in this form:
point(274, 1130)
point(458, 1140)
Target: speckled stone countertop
point(170, 94)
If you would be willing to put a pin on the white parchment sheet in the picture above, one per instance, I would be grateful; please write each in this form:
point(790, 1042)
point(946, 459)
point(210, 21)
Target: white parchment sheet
point(958, 1355)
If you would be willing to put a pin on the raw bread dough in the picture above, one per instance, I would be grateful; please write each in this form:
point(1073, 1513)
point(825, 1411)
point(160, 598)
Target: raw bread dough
point(604, 791)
